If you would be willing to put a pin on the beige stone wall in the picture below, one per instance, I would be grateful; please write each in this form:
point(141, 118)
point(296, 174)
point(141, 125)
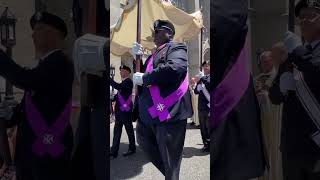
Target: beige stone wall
point(115, 61)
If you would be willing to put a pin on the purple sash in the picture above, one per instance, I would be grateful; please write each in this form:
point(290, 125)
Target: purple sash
point(229, 92)
point(124, 105)
point(161, 105)
point(48, 138)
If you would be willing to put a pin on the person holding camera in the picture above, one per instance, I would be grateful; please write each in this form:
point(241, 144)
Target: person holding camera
point(297, 87)
point(203, 89)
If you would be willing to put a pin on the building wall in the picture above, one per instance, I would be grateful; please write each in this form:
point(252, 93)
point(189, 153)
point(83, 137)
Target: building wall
point(115, 61)
point(194, 44)
point(268, 22)
point(23, 52)
point(205, 5)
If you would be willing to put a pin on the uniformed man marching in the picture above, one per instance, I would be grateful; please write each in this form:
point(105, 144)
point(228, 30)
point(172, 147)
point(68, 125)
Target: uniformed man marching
point(297, 87)
point(44, 136)
point(203, 89)
point(164, 101)
point(123, 112)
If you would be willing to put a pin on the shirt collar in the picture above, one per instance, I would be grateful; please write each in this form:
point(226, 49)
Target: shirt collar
point(313, 43)
point(49, 53)
point(124, 78)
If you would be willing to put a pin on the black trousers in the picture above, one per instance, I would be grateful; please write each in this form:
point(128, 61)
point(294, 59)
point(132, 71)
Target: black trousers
point(204, 127)
point(299, 168)
point(50, 170)
point(31, 167)
point(127, 122)
point(163, 143)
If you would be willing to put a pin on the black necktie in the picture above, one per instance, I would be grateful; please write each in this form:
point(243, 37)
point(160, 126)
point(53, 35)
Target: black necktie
point(309, 47)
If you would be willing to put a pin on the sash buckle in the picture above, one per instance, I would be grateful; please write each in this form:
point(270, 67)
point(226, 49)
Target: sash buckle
point(48, 139)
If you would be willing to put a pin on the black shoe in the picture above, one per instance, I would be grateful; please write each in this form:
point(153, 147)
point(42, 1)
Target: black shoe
point(113, 155)
point(205, 149)
point(192, 123)
point(129, 152)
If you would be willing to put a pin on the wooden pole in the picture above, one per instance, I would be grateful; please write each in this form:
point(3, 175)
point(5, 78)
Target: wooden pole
point(138, 57)
point(291, 16)
point(201, 44)
point(201, 48)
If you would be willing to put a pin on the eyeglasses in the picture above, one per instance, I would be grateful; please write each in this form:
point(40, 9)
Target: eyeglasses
point(308, 17)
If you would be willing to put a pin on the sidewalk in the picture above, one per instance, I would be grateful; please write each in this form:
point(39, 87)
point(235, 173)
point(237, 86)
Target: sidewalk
point(195, 164)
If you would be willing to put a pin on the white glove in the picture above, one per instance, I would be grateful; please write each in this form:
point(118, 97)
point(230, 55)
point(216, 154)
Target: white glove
point(137, 49)
point(137, 78)
point(200, 75)
point(287, 82)
point(291, 41)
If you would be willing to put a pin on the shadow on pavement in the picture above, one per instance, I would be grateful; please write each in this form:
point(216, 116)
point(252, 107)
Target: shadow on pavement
point(189, 152)
point(189, 126)
point(127, 167)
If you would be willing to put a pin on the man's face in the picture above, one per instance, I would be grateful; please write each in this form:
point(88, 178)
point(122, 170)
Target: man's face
point(43, 35)
point(124, 73)
point(206, 69)
point(162, 36)
point(266, 63)
point(309, 21)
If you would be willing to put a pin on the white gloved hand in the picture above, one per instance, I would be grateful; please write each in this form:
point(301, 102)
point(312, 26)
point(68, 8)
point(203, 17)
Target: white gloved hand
point(200, 75)
point(137, 49)
point(287, 82)
point(291, 41)
point(137, 78)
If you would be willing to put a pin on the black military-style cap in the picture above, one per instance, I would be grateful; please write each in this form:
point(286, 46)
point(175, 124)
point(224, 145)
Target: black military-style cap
point(306, 3)
point(125, 68)
point(49, 19)
point(205, 63)
point(160, 24)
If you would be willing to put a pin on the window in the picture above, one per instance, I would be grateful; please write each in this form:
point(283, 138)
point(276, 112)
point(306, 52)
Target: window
point(179, 4)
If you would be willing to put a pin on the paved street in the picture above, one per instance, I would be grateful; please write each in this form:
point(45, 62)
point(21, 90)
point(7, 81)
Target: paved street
point(195, 164)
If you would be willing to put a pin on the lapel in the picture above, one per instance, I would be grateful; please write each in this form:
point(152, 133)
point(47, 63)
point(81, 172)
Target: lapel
point(160, 57)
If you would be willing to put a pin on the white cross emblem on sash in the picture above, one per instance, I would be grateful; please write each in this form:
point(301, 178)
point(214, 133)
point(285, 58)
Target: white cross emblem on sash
point(160, 107)
point(47, 139)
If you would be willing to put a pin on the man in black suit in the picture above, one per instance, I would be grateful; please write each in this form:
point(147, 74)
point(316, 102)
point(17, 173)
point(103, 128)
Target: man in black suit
point(203, 89)
point(164, 101)
point(44, 136)
point(300, 152)
point(123, 112)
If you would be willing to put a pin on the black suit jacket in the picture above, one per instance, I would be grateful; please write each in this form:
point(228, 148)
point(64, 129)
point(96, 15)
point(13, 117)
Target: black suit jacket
point(171, 66)
point(51, 85)
point(202, 101)
point(125, 89)
point(297, 127)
